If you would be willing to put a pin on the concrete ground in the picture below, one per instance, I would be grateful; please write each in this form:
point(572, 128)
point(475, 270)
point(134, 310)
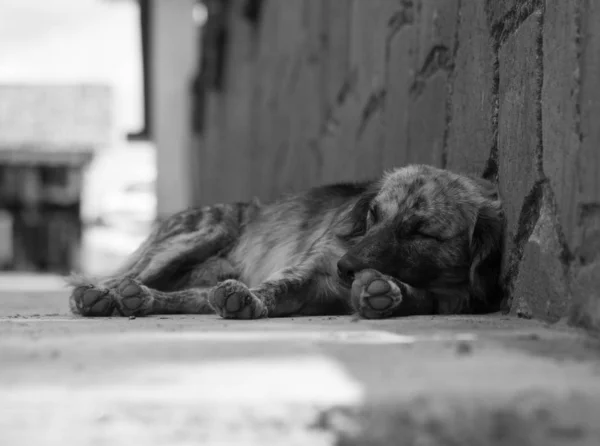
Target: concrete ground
point(183, 380)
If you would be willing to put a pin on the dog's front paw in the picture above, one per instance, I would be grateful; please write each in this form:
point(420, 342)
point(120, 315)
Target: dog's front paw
point(233, 300)
point(375, 295)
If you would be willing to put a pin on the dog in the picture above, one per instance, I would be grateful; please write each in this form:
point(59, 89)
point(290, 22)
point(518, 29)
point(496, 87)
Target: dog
point(418, 240)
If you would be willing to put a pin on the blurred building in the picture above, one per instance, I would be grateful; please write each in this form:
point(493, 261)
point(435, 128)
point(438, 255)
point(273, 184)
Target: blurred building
point(48, 135)
point(68, 92)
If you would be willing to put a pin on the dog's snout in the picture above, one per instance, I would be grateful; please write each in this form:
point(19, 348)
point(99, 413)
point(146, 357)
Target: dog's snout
point(348, 266)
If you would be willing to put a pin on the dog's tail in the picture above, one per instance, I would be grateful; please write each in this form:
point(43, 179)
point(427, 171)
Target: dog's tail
point(133, 263)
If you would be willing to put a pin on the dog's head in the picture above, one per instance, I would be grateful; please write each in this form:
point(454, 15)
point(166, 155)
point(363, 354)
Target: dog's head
point(430, 228)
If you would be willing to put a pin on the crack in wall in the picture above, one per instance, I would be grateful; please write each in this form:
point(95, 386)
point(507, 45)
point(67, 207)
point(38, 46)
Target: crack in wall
point(577, 74)
point(505, 27)
point(528, 217)
point(401, 18)
point(539, 155)
point(346, 87)
point(375, 102)
point(491, 170)
point(541, 194)
point(577, 94)
point(438, 59)
point(331, 122)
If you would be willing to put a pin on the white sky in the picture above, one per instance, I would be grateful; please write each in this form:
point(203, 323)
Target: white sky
point(75, 41)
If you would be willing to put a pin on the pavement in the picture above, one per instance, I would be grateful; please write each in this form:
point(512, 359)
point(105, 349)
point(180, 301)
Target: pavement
point(202, 380)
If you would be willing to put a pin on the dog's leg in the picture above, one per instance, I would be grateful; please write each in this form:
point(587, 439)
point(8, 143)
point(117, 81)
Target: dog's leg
point(190, 295)
point(93, 296)
point(278, 296)
point(377, 296)
point(134, 299)
point(155, 266)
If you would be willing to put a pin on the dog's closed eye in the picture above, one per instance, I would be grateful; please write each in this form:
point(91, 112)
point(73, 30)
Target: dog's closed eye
point(427, 235)
point(373, 215)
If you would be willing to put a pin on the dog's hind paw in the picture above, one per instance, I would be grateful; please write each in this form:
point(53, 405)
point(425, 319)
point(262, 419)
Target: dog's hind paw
point(133, 298)
point(91, 301)
point(375, 295)
point(233, 300)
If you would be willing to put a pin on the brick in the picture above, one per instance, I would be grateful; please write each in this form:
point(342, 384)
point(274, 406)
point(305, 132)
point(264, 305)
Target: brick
point(541, 285)
point(436, 20)
point(559, 110)
point(237, 128)
point(418, 71)
point(338, 20)
point(427, 122)
point(303, 164)
point(297, 163)
point(283, 64)
point(337, 141)
point(471, 135)
point(368, 58)
point(517, 120)
point(436, 24)
point(590, 102)
point(367, 51)
point(401, 71)
point(351, 137)
point(340, 106)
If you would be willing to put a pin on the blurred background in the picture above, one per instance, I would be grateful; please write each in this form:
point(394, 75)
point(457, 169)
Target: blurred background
point(117, 113)
point(78, 164)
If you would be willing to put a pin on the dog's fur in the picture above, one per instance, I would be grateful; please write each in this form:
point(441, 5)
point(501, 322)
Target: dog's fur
point(419, 240)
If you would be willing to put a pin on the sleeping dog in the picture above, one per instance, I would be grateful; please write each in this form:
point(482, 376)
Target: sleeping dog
point(418, 240)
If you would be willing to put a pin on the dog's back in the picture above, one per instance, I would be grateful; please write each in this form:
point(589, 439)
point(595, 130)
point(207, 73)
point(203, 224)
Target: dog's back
point(294, 229)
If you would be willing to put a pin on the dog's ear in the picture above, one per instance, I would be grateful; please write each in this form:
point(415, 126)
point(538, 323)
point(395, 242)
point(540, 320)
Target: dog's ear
point(486, 243)
point(353, 222)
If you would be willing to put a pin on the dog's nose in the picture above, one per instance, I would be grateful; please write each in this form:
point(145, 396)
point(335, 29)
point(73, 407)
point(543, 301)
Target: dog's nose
point(348, 266)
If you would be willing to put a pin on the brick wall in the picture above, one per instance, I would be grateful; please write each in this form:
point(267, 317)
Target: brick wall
point(329, 90)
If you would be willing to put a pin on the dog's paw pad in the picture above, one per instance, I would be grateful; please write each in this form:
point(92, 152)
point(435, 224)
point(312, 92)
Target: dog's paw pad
point(129, 288)
point(379, 286)
point(233, 300)
point(133, 298)
point(379, 303)
point(88, 300)
point(374, 295)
